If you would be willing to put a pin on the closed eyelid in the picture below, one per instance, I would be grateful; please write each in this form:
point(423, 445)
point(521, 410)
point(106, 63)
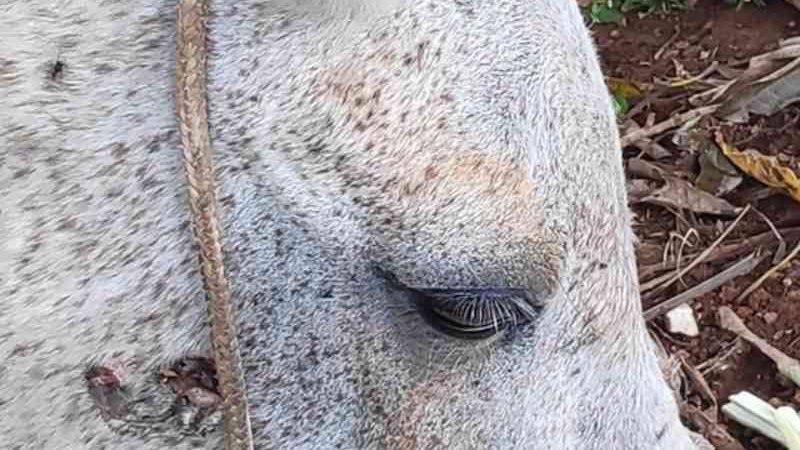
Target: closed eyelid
point(469, 312)
point(455, 292)
point(392, 279)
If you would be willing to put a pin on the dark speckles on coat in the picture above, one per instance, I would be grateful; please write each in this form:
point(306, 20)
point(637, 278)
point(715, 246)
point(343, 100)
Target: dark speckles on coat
point(340, 143)
point(56, 70)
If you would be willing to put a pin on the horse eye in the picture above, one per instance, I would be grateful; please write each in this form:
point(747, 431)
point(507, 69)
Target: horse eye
point(469, 313)
point(474, 313)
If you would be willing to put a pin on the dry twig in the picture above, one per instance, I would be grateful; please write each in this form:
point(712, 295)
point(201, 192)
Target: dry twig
point(668, 124)
point(769, 273)
point(779, 254)
point(723, 252)
point(699, 77)
point(667, 43)
point(702, 255)
point(699, 382)
point(742, 267)
point(787, 366)
point(713, 363)
point(710, 428)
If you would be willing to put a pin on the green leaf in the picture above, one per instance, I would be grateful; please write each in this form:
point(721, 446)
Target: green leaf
point(620, 104)
point(601, 12)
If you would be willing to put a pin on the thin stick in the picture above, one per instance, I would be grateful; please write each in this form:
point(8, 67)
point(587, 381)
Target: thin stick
point(644, 287)
point(769, 273)
point(714, 362)
point(781, 242)
point(723, 252)
point(787, 366)
point(668, 42)
point(704, 254)
point(668, 124)
point(698, 380)
point(691, 80)
point(742, 267)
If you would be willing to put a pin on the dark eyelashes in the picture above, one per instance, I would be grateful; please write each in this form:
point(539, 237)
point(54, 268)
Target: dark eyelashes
point(467, 312)
point(479, 313)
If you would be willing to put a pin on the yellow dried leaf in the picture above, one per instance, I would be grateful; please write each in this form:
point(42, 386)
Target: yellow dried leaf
point(766, 169)
point(624, 88)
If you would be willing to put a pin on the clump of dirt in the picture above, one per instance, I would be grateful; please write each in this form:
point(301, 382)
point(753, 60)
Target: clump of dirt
point(688, 42)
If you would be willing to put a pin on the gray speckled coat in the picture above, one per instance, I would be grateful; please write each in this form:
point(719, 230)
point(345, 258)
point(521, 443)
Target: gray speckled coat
point(450, 142)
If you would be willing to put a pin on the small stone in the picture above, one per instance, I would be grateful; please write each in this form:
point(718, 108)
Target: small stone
point(776, 402)
point(791, 24)
point(770, 317)
point(614, 34)
point(681, 320)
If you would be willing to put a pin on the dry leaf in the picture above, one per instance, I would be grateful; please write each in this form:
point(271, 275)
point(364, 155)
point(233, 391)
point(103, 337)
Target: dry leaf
point(637, 190)
point(681, 194)
point(649, 253)
point(771, 82)
point(766, 169)
point(624, 87)
point(650, 147)
point(639, 168)
point(717, 174)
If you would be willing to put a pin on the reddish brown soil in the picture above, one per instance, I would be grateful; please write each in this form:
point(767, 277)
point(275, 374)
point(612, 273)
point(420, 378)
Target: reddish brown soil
point(714, 31)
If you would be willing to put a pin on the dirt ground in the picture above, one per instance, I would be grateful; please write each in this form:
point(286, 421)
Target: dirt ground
point(688, 42)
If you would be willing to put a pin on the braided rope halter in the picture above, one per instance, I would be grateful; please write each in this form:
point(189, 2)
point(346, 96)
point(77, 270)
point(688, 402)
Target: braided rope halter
point(192, 109)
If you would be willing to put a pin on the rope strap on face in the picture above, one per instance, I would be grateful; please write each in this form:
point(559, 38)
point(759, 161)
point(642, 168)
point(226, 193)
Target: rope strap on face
point(192, 109)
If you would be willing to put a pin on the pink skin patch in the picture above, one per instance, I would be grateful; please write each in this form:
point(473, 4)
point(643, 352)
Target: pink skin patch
point(105, 388)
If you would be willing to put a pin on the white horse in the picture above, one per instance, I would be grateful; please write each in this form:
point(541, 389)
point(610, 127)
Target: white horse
point(425, 225)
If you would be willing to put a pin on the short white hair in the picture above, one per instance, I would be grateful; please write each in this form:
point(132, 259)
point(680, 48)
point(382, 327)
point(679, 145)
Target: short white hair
point(342, 8)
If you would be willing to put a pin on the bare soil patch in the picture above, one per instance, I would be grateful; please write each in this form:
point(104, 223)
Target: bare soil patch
point(688, 42)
